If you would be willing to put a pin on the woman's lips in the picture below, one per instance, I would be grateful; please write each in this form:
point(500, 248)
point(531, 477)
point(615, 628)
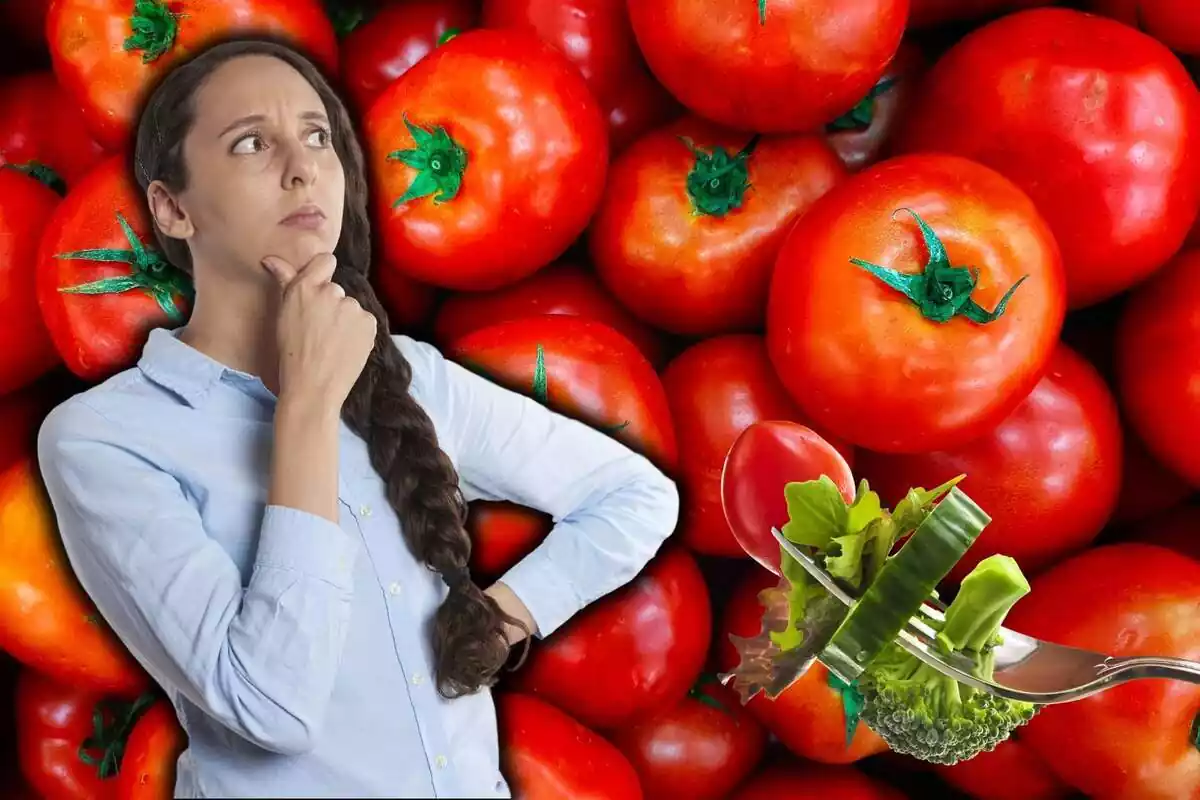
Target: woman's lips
point(307, 217)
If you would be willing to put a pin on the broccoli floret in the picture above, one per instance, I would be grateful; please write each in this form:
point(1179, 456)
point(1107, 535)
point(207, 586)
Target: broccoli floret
point(922, 713)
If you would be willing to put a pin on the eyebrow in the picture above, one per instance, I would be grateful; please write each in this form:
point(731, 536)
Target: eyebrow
point(253, 118)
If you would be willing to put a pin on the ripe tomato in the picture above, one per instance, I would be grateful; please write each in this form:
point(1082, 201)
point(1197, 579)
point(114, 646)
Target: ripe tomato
point(1158, 364)
point(871, 366)
point(409, 303)
point(101, 282)
point(1173, 22)
point(580, 368)
point(397, 36)
point(813, 782)
point(632, 653)
point(40, 123)
point(502, 533)
point(1177, 529)
point(107, 70)
point(1103, 139)
point(26, 351)
point(700, 748)
point(54, 720)
point(46, 619)
point(1048, 475)
point(863, 133)
point(772, 66)
point(935, 12)
point(549, 756)
point(680, 237)
point(764, 458)
point(639, 105)
point(808, 716)
point(1134, 741)
point(716, 389)
point(506, 167)
point(1010, 772)
point(148, 765)
point(561, 288)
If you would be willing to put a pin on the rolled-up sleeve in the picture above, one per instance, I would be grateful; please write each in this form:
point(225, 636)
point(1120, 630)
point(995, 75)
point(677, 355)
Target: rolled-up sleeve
point(612, 508)
point(261, 658)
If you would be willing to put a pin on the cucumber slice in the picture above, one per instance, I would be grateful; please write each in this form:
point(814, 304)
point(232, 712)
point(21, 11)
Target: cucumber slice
point(905, 581)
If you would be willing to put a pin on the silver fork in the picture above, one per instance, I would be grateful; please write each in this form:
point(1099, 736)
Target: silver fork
point(1026, 669)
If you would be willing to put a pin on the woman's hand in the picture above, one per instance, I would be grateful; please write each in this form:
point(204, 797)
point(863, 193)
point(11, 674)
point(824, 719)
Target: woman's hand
point(324, 336)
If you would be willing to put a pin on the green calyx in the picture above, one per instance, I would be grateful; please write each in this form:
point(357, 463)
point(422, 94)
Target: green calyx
point(154, 27)
point(447, 36)
point(718, 181)
point(852, 704)
point(112, 722)
point(859, 118)
point(439, 161)
point(44, 174)
point(1196, 732)
point(149, 273)
point(346, 15)
point(940, 291)
point(698, 693)
point(762, 12)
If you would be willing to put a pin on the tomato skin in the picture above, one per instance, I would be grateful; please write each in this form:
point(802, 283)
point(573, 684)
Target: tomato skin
point(547, 755)
point(1132, 741)
point(716, 389)
point(1172, 22)
point(807, 717)
point(1048, 475)
point(639, 105)
point(935, 12)
point(813, 782)
point(693, 274)
point(792, 73)
point(1158, 364)
point(860, 359)
point(502, 533)
point(630, 654)
point(89, 58)
point(536, 160)
point(562, 288)
point(1103, 139)
point(593, 374)
point(1010, 772)
point(98, 335)
point(148, 765)
point(39, 122)
point(694, 750)
point(53, 720)
point(397, 36)
point(26, 350)
point(859, 148)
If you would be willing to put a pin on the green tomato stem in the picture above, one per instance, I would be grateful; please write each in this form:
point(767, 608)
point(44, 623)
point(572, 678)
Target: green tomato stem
point(717, 181)
point(1196, 732)
point(440, 163)
point(762, 12)
point(43, 174)
point(154, 27)
point(860, 117)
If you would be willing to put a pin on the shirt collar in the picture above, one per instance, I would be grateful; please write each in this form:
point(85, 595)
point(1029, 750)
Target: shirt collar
point(184, 370)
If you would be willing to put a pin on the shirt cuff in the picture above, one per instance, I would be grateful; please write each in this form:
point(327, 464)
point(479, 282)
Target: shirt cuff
point(545, 590)
point(306, 543)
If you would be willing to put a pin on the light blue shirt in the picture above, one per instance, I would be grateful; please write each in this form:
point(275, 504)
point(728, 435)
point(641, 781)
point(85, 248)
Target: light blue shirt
point(294, 649)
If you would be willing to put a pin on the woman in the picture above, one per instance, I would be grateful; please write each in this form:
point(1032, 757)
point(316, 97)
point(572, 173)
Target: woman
point(234, 504)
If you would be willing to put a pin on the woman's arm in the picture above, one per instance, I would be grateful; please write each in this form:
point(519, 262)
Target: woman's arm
point(612, 508)
point(260, 659)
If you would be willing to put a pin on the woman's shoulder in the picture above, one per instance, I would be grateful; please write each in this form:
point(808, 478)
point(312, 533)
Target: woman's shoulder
point(108, 411)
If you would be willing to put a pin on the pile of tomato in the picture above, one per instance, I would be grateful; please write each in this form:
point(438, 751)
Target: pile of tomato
point(950, 236)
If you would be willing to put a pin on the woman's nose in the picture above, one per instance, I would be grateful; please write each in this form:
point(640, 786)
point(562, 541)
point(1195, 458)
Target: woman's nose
point(300, 166)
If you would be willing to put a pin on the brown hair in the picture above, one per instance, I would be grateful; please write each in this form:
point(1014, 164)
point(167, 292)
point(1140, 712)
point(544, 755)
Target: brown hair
point(469, 643)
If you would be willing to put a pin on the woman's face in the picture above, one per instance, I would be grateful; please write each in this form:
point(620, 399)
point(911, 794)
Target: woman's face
point(259, 153)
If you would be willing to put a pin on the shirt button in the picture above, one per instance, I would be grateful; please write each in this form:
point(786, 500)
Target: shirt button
point(441, 762)
point(418, 679)
point(364, 511)
point(394, 588)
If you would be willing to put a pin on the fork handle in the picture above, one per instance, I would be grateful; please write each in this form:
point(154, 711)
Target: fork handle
point(1156, 667)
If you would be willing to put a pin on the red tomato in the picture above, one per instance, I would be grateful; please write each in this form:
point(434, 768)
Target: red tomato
point(680, 237)
point(1147, 487)
point(1177, 529)
point(561, 288)
point(807, 717)
point(1175, 23)
point(26, 350)
point(590, 372)
point(763, 459)
point(409, 303)
point(1010, 772)
point(510, 165)
point(1134, 741)
point(936, 12)
point(1048, 475)
point(639, 105)
point(98, 306)
point(53, 722)
point(549, 756)
point(772, 66)
point(148, 765)
point(869, 365)
point(40, 123)
point(46, 619)
point(503, 533)
point(699, 749)
point(813, 782)
point(397, 36)
point(1103, 139)
point(632, 653)
point(716, 389)
point(107, 70)
point(1158, 365)
point(861, 135)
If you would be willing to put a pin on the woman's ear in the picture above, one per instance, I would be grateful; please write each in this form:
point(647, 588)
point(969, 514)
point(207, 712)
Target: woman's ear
point(168, 214)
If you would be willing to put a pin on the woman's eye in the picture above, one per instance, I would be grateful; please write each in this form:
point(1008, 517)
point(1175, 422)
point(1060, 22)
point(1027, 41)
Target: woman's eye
point(319, 138)
point(250, 144)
